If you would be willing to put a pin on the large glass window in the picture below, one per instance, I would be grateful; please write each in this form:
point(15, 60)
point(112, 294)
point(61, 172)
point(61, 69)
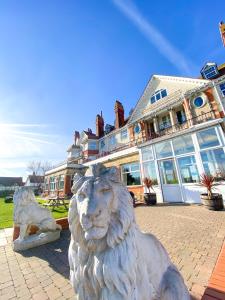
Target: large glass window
point(168, 171)
point(163, 149)
point(207, 138)
point(188, 169)
point(131, 174)
point(214, 161)
point(150, 171)
point(183, 144)
point(147, 153)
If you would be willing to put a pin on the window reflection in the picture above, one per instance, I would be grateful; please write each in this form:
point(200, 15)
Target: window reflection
point(188, 169)
point(207, 138)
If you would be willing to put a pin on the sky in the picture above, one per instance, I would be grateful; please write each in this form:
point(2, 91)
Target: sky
point(62, 62)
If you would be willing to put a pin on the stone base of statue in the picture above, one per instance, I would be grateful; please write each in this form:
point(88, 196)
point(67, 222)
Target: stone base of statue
point(36, 240)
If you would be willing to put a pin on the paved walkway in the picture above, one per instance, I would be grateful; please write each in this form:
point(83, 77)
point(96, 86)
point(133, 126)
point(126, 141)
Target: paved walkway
point(192, 235)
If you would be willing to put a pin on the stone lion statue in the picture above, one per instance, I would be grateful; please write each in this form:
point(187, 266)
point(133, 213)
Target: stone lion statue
point(110, 258)
point(28, 212)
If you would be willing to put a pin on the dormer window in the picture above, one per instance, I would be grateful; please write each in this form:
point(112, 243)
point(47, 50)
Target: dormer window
point(222, 88)
point(158, 95)
point(209, 71)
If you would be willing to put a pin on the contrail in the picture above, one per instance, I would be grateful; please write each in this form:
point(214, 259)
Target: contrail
point(156, 38)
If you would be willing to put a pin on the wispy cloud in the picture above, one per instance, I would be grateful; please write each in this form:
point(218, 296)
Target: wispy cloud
point(155, 37)
point(21, 143)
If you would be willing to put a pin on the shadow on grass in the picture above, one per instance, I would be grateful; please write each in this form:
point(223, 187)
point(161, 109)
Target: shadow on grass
point(55, 253)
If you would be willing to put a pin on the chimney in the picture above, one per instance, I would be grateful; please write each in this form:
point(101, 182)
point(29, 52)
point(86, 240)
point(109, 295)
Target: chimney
point(99, 125)
point(76, 138)
point(119, 112)
point(222, 32)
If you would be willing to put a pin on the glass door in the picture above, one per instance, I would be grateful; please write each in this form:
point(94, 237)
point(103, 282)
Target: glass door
point(170, 184)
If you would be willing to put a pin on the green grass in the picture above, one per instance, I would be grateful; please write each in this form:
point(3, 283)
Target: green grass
point(6, 212)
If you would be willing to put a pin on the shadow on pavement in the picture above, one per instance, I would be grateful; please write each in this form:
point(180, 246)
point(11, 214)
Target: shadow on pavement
point(55, 253)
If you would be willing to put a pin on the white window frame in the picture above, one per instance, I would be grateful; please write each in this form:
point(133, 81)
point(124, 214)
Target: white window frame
point(154, 96)
point(140, 171)
point(212, 71)
point(124, 134)
point(222, 89)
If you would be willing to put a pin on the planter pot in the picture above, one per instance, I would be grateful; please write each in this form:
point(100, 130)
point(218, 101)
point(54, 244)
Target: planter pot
point(213, 203)
point(150, 198)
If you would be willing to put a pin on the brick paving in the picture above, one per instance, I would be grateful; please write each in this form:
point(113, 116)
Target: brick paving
point(192, 235)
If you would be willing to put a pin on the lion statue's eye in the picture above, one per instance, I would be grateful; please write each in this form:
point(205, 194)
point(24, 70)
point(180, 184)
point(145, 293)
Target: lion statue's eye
point(105, 190)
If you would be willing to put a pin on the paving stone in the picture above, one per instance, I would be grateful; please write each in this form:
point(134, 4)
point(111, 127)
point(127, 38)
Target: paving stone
point(192, 236)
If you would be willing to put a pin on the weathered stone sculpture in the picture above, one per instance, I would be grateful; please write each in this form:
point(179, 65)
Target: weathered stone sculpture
point(28, 212)
point(110, 258)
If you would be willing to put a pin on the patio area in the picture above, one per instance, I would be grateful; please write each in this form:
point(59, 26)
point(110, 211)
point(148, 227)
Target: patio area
point(192, 235)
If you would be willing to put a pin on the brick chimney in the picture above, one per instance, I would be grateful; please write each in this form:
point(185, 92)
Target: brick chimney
point(99, 125)
point(76, 137)
point(119, 112)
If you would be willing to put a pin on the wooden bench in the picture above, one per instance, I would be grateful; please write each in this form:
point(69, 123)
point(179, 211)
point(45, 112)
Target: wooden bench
point(55, 202)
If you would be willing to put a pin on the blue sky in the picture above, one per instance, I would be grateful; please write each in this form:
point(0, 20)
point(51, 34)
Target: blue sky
point(62, 62)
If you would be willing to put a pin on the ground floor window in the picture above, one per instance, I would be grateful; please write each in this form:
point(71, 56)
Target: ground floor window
point(52, 183)
point(188, 169)
point(214, 161)
point(61, 182)
point(131, 174)
point(149, 171)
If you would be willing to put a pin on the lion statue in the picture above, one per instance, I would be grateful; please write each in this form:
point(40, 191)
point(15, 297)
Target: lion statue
point(28, 212)
point(109, 257)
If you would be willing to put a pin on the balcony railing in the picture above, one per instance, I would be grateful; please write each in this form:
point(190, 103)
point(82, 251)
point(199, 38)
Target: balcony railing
point(166, 131)
point(182, 126)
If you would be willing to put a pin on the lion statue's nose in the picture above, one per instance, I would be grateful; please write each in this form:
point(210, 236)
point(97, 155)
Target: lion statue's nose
point(92, 215)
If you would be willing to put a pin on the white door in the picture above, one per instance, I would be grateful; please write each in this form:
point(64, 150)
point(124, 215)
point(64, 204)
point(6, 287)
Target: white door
point(169, 179)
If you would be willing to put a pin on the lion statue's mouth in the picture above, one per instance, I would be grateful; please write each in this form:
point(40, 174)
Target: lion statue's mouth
point(95, 233)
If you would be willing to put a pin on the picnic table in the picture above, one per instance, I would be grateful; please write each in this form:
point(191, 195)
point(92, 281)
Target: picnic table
point(55, 202)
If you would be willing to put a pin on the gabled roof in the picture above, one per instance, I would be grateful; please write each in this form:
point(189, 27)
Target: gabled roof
point(11, 181)
point(86, 135)
point(172, 84)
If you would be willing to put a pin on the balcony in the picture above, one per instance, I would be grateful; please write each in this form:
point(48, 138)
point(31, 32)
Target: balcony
point(168, 129)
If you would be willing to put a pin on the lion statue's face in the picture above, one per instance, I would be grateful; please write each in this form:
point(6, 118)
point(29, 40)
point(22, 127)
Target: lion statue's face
point(101, 207)
point(23, 195)
point(94, 206)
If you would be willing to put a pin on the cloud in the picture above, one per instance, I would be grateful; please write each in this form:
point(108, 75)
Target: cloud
point(155, 37)
point(21, 143)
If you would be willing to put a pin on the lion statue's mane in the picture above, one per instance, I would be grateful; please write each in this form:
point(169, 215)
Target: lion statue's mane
point(28, 212)
point(114, 260)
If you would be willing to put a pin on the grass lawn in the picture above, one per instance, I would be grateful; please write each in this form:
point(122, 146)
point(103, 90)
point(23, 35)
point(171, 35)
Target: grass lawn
point(6, 212)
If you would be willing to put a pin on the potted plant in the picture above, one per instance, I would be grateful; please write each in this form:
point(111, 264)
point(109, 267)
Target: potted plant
point(210, 200)
point(149, 198)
